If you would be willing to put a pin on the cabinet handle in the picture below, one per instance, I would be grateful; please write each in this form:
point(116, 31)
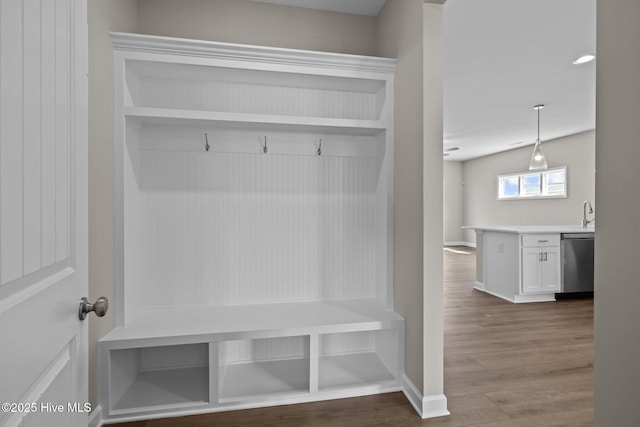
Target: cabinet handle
point(540, 256)
point(542, 241)
point(545, 256)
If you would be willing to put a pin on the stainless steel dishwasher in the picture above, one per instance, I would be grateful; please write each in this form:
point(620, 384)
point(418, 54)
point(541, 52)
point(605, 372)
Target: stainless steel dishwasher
point(577, 264)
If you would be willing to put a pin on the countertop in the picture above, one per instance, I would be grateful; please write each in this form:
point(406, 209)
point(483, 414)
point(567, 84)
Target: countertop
point(533, 229)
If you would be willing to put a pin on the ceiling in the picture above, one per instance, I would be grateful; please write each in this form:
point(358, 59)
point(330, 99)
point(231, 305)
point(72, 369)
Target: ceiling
point(502, 57)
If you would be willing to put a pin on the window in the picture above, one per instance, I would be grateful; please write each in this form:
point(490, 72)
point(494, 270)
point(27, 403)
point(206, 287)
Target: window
point(530, 185)
point(551, 183)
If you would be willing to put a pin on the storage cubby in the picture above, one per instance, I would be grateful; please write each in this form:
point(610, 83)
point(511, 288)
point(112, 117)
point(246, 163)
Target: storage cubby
point(357, 359)
point(165, 376)
point(250, 369)
point(254, 221)
point(175, 86)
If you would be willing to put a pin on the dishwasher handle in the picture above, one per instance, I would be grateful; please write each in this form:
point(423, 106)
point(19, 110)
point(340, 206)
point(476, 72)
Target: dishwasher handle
point(582, 236)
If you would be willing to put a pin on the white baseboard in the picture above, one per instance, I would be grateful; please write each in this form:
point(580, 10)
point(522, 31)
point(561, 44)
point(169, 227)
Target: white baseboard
point(480, 286)
point(426, 406)
point(468, 244)
point(95, 417)
point(517, 299)
point(260, 403)
point(548, 297)
point(412, 393)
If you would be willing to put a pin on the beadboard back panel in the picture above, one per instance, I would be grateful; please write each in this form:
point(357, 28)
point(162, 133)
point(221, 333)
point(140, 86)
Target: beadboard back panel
point(256, 350)
point(252, 92)
point(173, 356)
point(351, 342)
point(257, 99)
point(191, 137)
point(236, 228)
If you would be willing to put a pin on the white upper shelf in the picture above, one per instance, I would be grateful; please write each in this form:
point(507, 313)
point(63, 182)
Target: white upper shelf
point(270, 122)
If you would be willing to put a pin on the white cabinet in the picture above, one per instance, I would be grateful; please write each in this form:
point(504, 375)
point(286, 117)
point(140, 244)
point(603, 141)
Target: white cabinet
point(519, 267)
point(254, 228)
point(540, 263)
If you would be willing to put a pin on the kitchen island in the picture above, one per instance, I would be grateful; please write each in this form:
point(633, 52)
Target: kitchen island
point(521, 263)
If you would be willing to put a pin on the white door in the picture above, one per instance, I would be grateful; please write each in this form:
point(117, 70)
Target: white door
point(43, 212)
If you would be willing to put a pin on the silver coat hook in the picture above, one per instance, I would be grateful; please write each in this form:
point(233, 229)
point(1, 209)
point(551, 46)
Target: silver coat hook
point(264, 147)
point(207, 147)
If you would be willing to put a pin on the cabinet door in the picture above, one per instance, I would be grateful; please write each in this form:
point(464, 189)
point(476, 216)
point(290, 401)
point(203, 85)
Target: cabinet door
point(550, 270)
point(531, 270)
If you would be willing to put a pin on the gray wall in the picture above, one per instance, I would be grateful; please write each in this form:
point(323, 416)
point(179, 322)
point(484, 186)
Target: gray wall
point(411, 31)
point(243, 21)
point(617, 318)
point(103, 16)
point(400, 36)
point(453, 203)
point(481, 206)
point(432, 273)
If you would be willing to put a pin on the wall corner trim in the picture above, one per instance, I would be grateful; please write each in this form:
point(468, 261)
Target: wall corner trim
point(426, 406)
point(95, 418)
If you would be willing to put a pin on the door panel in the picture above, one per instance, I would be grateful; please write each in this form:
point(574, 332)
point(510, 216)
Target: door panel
point(35, 124)
point(530, 270)
point(55, 381)
point(11, 175)
point(550, 274)
point(31, 142)
point(43, 211)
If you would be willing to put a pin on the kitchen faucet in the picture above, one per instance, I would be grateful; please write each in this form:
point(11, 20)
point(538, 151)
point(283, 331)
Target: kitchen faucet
point(586, 222)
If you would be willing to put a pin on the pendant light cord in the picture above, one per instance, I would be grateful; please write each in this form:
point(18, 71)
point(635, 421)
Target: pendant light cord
point(538, 124)
point(538, 107)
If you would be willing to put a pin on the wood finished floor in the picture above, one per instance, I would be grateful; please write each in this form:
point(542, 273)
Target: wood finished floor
point(524, 365)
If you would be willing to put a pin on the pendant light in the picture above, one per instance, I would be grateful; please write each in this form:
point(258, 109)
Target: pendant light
point(538, 162)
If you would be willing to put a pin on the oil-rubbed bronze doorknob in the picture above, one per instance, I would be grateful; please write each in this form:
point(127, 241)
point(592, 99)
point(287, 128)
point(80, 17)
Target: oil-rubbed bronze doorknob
point(99, 307)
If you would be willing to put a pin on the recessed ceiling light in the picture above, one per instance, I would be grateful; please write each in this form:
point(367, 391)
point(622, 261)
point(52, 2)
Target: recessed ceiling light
point(452, 149)
point(583, 59)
